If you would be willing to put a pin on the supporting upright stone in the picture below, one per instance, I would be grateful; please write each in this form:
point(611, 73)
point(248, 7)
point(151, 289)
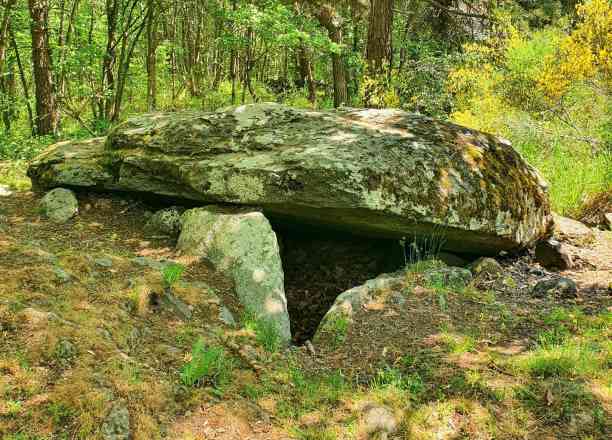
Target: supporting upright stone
point(241, 243)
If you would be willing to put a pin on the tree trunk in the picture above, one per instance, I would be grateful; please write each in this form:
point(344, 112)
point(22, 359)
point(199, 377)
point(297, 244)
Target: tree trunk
point(108, 64)
point(151, 55)
point(24, 82)
point(6, 75)
point(378, 51)
point(305, 66)
point(330, 20)
point(47, 116)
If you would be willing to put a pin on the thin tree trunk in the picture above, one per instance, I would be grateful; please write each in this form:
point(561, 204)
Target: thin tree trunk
point(47, 116)
point(330, 20)
point(151, 55)
point(64, 41)
point(24, 82)
point(8, 77)
point(305, 66)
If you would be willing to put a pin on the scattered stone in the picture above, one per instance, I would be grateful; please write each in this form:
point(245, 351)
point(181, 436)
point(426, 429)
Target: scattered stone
point(488, 267)
point(116, 426)
point(62, 275)
point(165, 222)
point(552, 255)
point(104, 262)
point(311, 349)
point(556, 286)
point(572, 231)
point(448, 276)
point(349, 302)
point(382, 173)
point(5, 191)
point(451, 259)
point(608, 218)
point(176, 304)
point(150, 263)
point(397, 298)
point(59, 205)
point(241, 243)
point(379, 421)
point(226, 316)
point(65, 351)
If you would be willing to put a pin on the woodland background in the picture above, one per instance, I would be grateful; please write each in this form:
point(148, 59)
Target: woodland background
point(537, 72)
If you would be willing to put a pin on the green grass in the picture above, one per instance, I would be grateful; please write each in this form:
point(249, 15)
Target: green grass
point(209, 366)
point(572, 346)
point(172, 273)
point(266, 332)
point(572, 171)
point(336, 328)
point(13, 175)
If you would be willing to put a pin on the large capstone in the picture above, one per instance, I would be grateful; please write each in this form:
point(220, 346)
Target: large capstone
point(242, 244)
point(380, 173)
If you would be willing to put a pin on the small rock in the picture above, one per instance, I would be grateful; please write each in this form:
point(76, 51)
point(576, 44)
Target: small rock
point(572, 231)
point(552, 255)
point(104, 262)
point(5, 191)
point(557, 286)
point(379, 420)
point(448, 276)
point(165, 222)
point(608, 218)
point(148, 262)
point(65, 350)
point(59, 205)
point(226, 316)
point(62, 275)
point(488, 267)
point(397, 298)
point(176, 304)
point(117, 423)
point(311, 349)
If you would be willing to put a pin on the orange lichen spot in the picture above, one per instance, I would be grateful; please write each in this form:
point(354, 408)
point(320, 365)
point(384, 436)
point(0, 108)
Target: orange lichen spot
point(445, 184)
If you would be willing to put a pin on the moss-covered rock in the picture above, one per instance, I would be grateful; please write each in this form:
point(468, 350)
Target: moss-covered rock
point(383, 173)
point(241, 243)
point(59, 205)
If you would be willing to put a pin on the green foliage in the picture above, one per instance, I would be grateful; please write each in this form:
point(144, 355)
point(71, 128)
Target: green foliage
point(266, 332)
point(209, 366)
point(421, 83)
point(22, 146)
point(336, 328)
point(172, 273)
point(394, 377)
point(516, 87)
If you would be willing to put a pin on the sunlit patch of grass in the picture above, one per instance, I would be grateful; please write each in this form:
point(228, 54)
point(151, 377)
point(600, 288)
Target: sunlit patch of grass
point(308, 392)
point(458, 343)
point(266, 332)
point(455, 418)
point(569, 359)
point(13, 175)
point(207, 366)
point(573, 173)
point(562, 401)
point(573, 345)
point(315, 433)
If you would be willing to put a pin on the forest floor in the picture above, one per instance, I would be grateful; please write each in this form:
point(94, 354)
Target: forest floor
point(77, 347)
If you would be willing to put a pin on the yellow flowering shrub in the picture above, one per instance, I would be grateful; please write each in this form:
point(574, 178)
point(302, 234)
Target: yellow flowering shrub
point(584, 54)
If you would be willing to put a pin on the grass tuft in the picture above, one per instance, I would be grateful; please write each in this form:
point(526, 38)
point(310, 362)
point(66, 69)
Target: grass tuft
point(209, 366)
